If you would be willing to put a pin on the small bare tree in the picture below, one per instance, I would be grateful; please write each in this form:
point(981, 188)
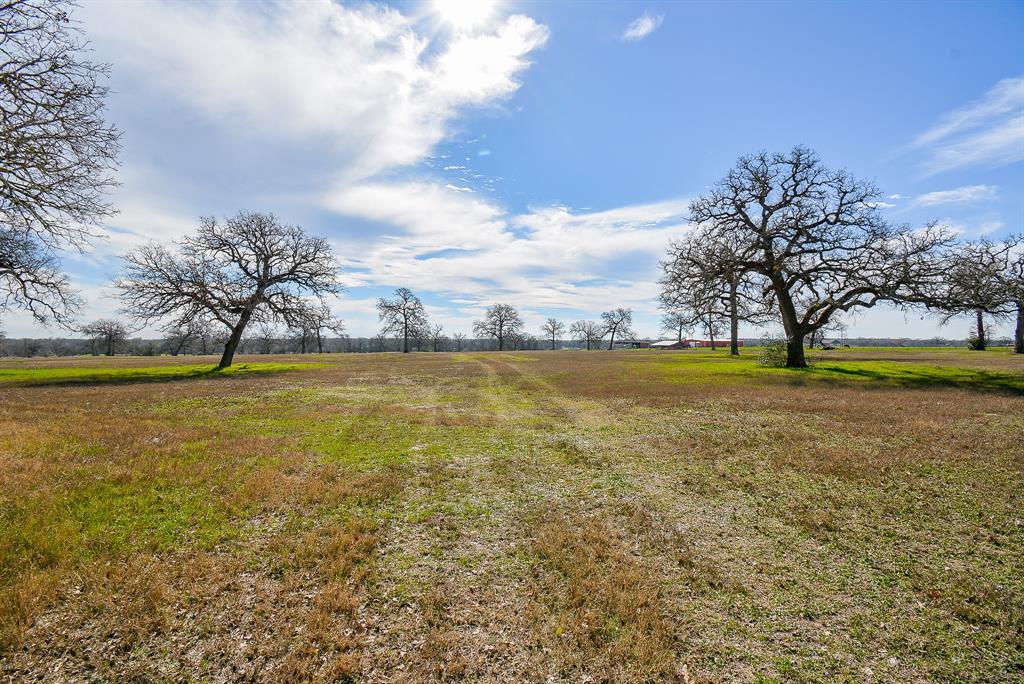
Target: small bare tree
point(618, 322)
point(313, 323)
point(459, 339)
point(977, 281)
point(1014, 279)
point(436, 335)
point(181, 336)
point(500, 323)
point(402, 316)
point(815, 238)
point(703, 281)
point(590, 332)
point(249, 268)
point(551, 329)
point(677, 323)
point(57, 154)
point(108, 333)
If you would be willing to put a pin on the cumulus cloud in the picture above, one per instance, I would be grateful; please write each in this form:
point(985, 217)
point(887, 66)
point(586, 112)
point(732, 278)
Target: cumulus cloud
point(363, 80)
point(989, 131)
point(642, 26)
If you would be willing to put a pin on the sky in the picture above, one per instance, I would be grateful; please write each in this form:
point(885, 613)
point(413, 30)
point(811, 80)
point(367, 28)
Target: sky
point(541, 154)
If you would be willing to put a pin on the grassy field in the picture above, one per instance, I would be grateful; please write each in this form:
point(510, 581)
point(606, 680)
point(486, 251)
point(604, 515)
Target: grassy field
point(531, 516)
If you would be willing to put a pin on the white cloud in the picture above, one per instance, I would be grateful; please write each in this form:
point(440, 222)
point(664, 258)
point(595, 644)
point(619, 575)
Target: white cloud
point(362, 80)
point(989, 131)
point(966, 194)
point(642, 26)
point(458, 245)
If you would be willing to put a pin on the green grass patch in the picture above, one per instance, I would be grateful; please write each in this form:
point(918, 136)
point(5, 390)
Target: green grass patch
point(63, 376)
point(719, 368)
point(109, 520)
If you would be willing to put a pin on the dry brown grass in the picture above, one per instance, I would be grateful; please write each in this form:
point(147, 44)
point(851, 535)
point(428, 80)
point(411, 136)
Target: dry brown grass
point(537, 516)
point(608, 617)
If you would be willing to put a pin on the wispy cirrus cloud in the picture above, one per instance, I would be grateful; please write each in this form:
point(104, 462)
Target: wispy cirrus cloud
point(968, 194)
point(988, 131)
point(642, 26)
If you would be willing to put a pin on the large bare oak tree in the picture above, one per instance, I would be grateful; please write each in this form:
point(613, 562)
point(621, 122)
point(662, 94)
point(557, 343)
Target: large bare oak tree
point(57, 154)
point(815, 238)
point(250, 267)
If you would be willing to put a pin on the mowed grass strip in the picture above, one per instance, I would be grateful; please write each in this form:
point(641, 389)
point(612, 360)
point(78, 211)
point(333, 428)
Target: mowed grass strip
point(28, 377)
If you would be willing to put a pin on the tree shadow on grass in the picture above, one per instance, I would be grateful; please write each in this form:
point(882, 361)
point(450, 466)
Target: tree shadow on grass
point(924, 377)
point(64, 377)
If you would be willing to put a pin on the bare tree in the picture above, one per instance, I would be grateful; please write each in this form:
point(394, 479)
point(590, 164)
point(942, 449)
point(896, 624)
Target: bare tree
point(618, 322)
point(677, 323)
point(500, 322)
point(264, 337)
point(551, 329)
point(402, 316)
point(1014, 280)
point(107, 332)
point(975, 282)
point(590, 332)
point(815, 239)
point(250, 268)
point(703, 281)
point(436, 335)
point(459, 339)
point(57, 155)
point(312, 323)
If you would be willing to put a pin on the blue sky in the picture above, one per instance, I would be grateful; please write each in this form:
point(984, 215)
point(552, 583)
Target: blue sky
point(542, 153)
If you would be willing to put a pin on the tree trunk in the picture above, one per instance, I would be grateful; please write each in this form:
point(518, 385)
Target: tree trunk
point(734, 320)
point(679, 334)
point(552, 343)
point(1018, 335)
point(611, 341)
point(233, 340)
point(982, 343)
point(795, 352)
point(110, 345)
point(794, 331)
point(319, 342)
point(405, 337)
point(711, 335)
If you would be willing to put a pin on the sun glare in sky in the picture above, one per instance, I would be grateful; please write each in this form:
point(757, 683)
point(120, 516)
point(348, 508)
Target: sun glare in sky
point(465, 14)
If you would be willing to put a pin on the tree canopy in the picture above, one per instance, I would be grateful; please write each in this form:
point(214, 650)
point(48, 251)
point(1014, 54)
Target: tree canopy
point(250, 267)
point(815, 239)
point(57, 155)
